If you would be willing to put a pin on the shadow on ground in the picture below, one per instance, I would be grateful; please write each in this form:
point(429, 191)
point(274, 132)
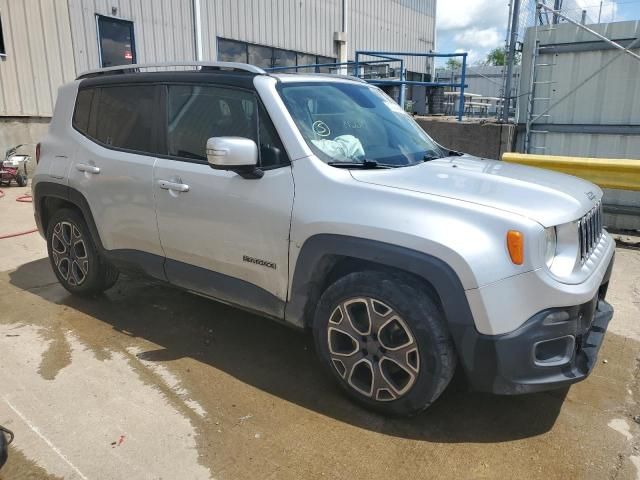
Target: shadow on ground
point(281, 361)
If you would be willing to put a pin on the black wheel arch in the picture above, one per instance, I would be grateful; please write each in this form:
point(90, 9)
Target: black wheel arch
point(325, 258)
point(49, 197)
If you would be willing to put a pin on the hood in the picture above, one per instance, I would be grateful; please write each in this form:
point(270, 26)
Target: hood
point(547, 197)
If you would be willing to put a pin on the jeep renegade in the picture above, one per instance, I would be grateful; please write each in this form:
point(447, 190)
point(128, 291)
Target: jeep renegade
point(317, 201)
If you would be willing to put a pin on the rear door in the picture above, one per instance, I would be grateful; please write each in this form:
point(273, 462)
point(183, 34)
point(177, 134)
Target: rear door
point(223, 235)
point(112, 168)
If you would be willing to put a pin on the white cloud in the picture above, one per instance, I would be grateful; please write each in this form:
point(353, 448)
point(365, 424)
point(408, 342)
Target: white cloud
point(474, 37)
point(609, 9)
point(481, 14)
point(472, 26)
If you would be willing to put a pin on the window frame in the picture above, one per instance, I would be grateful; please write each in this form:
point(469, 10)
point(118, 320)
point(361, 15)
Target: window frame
point(164, 127)
point(91, 132)
point(121, 21)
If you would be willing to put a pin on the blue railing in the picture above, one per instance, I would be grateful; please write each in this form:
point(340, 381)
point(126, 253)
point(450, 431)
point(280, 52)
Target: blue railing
point(387, 57)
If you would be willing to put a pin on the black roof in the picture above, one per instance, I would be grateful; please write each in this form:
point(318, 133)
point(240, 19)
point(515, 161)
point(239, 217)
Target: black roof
point(218, 77)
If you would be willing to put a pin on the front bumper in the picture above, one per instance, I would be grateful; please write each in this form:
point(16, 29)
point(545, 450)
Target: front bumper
point(554, 348)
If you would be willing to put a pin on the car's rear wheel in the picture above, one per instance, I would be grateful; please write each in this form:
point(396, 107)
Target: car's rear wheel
point(385, 341)
point(74, 257)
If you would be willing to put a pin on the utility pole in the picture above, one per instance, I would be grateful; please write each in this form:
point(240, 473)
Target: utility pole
point(600, 12)
point(511, 60)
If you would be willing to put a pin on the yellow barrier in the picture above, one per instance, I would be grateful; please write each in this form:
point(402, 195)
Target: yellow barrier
point(620, 174)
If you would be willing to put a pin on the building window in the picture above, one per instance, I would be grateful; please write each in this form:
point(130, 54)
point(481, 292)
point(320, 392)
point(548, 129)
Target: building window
point(232, 51)
point(267, 57)
point(326, 60)
point(3, 51)
point(284, 58)
point(260, 56)
point(306, 59)
point(116, 41)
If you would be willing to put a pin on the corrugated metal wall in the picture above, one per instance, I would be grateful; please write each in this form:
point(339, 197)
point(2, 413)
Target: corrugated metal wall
point(49, 42)
point(163, 29)
point(393, 25)
point(302, 25)
point(308, 25)
point(594, 119)
point(610, 99)
point(39, 56)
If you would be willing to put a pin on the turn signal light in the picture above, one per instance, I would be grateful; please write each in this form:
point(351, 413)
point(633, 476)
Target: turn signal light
point(515, 244)
point(37, 153)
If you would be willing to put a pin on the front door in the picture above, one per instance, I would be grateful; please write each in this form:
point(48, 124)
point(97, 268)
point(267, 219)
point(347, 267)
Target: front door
point(223, 235)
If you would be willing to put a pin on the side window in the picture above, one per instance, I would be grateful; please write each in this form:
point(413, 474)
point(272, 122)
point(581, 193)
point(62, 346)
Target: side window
point(127, 116)
point(196, 113)
point(82, 112)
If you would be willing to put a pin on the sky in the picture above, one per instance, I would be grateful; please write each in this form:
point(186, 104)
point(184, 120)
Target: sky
point(478, 26)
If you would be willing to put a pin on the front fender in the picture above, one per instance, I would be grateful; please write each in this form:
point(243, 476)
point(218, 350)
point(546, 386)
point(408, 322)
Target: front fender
point(314, 261)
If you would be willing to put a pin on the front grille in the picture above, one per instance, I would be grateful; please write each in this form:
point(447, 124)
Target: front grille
point(590, 231)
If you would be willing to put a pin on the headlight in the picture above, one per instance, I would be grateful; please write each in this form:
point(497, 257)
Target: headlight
point(551, 243)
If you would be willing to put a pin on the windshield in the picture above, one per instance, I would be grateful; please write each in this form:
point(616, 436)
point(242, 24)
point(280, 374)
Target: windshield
point(356, 124)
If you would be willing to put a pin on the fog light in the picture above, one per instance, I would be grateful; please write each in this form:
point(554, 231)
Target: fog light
point(557, 317)
point(554, 352)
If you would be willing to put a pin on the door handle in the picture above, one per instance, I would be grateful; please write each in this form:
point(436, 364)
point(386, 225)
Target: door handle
point(176, 187)
point(83, 167)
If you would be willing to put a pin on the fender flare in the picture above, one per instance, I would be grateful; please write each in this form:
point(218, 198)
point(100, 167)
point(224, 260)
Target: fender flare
point(43, 190)
point(316, 258)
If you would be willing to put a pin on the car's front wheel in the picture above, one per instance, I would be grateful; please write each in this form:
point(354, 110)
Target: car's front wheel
point(74, 257)
point(385, 341)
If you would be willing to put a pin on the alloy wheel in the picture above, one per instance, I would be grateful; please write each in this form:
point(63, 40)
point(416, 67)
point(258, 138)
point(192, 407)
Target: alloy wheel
point(70, 253)
point(372, 348)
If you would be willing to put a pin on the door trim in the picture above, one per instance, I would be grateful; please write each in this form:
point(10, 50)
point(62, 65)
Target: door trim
point(224, 288)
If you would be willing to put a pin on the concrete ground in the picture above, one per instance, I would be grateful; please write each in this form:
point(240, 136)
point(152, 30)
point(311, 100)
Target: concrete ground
point(150, 382)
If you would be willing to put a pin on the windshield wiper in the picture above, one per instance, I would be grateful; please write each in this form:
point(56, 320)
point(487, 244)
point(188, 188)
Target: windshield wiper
point(430, 156)
point(448, 153)
point(365, 164)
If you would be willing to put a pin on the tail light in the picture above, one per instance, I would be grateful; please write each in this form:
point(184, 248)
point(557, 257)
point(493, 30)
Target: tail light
point(38, 153)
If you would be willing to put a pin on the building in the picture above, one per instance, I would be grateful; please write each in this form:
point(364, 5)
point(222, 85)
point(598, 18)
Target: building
point(581, 97)
point(485, 80)
point(45, 43)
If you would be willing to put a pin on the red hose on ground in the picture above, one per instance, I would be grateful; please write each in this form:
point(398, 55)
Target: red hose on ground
point(26, 198)
point(17, 234)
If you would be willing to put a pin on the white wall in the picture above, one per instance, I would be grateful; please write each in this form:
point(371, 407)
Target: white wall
point(39, 57)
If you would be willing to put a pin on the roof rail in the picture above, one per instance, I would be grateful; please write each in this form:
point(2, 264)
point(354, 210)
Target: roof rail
point(233, 66)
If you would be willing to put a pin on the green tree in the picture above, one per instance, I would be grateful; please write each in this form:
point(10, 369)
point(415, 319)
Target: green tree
point(454, 64)
point(498, 57)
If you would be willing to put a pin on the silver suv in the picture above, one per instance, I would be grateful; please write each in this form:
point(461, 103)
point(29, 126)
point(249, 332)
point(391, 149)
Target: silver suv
point(317, 201)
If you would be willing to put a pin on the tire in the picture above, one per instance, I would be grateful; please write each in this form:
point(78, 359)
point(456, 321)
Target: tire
point(21, 180)
point(74, 257)
point(4, 449)
point(402, 358)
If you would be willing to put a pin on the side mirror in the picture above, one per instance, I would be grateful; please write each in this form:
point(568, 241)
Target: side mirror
point(237, 154)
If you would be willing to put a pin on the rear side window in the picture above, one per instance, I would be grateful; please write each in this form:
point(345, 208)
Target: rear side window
point(196, 113)
point(82, 112)
point(125, 117)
